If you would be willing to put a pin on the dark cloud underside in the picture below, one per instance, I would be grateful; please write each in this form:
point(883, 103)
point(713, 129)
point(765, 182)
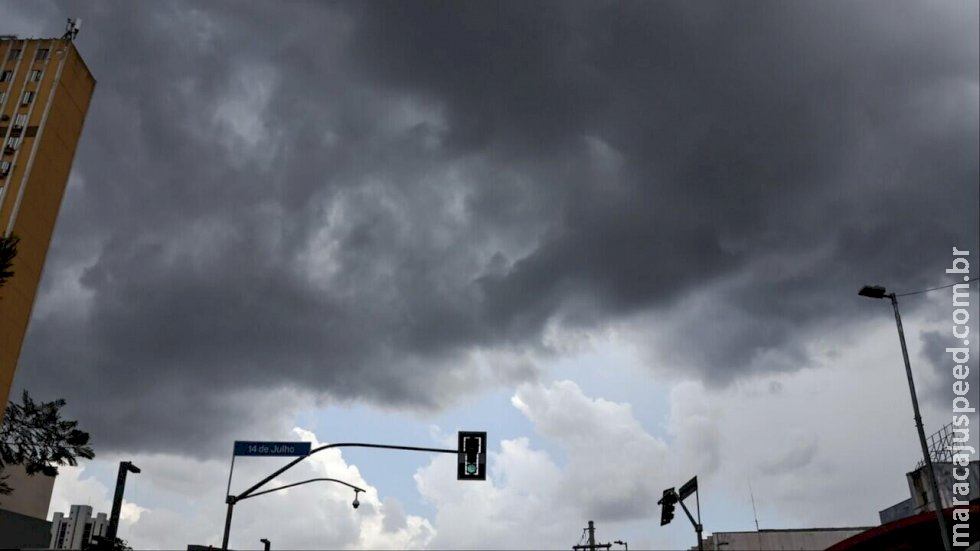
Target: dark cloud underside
point(349, 199)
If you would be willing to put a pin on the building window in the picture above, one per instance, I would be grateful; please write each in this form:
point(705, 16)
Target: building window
point(6, 76)
point(14, 54)
point(60, 544)
point(4, 168)
point(20, 121)
point(35, 75)
point(12, 143)
point(3, 96)
point(27, 98)
point(42, 54)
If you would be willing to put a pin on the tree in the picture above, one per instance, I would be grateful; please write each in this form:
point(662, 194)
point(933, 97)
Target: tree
point(35, 436)
point(102, 543)
point(8, 250)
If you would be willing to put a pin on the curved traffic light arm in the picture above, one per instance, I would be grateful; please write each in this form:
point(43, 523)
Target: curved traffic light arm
point(248, 493)
point(351, 486)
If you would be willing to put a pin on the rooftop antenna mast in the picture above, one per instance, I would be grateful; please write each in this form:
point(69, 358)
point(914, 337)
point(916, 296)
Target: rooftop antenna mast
point(758, 535)
point(754, 514)
point(71, 29)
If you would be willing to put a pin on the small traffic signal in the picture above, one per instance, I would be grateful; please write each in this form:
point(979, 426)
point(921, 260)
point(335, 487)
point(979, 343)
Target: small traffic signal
point(471, 462)
point(667, 503)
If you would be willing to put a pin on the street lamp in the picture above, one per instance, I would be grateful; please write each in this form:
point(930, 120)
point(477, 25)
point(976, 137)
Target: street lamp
point(266, 543)
point(877, 291)
point(355, 488)
point(232, 500)
point(623, 543)
point(124, 467)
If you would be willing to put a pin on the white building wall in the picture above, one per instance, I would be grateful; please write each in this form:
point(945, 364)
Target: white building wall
point(32, 493)
point(919, 487)
point(779, 540)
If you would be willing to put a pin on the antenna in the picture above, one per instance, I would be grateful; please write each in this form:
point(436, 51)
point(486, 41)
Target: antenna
point(754, 514)
point(71, 29)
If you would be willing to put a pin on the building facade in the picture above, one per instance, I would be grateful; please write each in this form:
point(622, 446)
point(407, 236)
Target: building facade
point(45, 90)
point(77, 529)
point(23, 514)
point(779, 540)
point(920, 492)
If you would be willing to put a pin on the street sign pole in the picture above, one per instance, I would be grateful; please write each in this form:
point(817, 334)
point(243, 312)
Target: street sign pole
point(230, 471)
point(257, 449)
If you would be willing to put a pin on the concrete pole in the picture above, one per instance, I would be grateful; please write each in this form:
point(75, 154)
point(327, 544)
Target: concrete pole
point(124, 467)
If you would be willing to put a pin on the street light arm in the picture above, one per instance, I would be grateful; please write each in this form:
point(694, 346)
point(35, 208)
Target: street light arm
point(247, 493)
point(880, 292)
point(351, 486)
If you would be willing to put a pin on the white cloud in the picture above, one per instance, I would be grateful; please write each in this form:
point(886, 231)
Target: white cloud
point(613, 470)
point(805, 440)
point(177, 501)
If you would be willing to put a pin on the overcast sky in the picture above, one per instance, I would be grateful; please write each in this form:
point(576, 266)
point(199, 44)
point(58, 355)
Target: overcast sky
point(625, 238)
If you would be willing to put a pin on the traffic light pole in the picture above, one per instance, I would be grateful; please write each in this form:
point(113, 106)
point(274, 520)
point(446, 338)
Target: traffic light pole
point(231, 500)
point(697, 525)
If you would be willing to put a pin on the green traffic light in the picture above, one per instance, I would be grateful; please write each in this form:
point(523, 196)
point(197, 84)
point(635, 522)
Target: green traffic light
point(471, 468)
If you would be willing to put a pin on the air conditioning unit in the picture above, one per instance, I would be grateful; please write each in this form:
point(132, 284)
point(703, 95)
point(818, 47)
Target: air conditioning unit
point(4, 118)
point(9, 150)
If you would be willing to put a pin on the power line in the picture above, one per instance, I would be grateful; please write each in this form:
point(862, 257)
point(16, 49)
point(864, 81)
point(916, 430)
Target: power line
point(933, 288)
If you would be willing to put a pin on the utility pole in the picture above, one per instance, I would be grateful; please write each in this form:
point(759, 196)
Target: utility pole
point(592, 545)
point(877, 291)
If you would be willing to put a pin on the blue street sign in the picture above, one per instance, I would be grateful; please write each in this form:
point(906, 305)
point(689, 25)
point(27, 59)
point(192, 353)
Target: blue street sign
point(272, 449)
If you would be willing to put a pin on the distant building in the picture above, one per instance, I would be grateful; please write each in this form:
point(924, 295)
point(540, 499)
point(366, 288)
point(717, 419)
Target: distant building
point(77, 529)
point(920, 493)
point(919, 531)
point(779, 540)
point(912, 523)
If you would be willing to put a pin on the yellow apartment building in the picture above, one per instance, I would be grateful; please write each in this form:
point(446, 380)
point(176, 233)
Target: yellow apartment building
point(45, 90)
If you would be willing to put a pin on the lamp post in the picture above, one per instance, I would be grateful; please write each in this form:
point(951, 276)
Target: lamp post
point(124, 467)
point(266, 543)
point(623, 543)
point(232, 500)
point(877, 291)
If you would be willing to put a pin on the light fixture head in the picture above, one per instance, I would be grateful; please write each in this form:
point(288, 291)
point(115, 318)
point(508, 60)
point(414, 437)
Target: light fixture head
point(872, 291)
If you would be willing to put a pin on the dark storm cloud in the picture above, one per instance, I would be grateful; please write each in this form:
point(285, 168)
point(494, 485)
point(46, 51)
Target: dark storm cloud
point(939, 389)
point(348, 198)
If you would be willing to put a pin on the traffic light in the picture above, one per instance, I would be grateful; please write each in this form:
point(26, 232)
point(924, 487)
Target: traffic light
point(471, 461)
point(667, 503)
